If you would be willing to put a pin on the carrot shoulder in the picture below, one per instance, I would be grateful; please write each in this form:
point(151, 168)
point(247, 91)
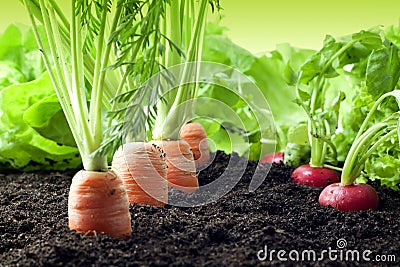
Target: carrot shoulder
point(98, 203)
point(143, 170)
point(195, 135)
point(181, 172)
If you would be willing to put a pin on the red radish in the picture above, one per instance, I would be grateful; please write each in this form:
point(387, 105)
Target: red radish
point(347, 195)
point(181, 172)
point(355, 197)
point(98, 202)
point(314, 176)
point(274, 157)
point(195, 135)
point(143, 170)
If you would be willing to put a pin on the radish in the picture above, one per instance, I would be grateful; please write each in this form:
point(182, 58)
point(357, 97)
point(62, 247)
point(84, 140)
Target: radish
point(314, 176)
point(317, 173)
point(312, 90)
point(347, 195)
point(274, 157)
point(315, 86)
point(354, 197)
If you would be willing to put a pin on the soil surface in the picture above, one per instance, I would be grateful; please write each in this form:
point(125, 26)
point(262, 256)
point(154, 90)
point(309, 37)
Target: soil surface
point(239, 229)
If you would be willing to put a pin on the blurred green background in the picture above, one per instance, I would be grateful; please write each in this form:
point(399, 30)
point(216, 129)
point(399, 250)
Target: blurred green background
point(258, 25)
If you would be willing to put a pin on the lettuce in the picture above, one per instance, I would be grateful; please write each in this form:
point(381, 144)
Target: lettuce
point(9, 74)
point(21, 147)
point(20, 59)
point(267, 72)
point(30, 115)
point(47, 118)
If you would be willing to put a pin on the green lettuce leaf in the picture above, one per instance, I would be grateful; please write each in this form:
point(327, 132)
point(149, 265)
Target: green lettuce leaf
point(385, 168)
point(21, 147)
point(47, 118)
point(9, 74)
point(18, 45)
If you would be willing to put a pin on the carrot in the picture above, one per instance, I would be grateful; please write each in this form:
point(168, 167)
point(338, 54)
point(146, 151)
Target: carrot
point(143, 170)
point(195, 135)
point(181, 173)
point(98, 203)
point(78, 61)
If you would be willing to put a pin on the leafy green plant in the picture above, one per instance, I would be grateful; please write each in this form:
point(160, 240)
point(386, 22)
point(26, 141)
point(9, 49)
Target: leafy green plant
point(267, 72)
point(86, 73)
point(383, 77)
point(19, 60)
point(93, 63)
point(168, 97)
point(22, 85)
point(21, 146)
point(347, 195)
point(186, 31)
point(355, 56)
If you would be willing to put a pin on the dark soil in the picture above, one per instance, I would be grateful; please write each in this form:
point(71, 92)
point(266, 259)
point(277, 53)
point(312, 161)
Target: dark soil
point(231, 231)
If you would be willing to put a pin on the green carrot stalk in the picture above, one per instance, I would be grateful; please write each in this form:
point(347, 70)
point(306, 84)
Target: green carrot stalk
point(186, 29)
point(81, 53)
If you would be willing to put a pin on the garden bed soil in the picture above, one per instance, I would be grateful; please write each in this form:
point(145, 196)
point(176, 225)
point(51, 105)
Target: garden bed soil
point(231, 231)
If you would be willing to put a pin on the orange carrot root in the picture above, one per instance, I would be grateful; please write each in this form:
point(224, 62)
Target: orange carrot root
point(98, 203)
point(181, 172)
point(195, 135)
point(143, 170)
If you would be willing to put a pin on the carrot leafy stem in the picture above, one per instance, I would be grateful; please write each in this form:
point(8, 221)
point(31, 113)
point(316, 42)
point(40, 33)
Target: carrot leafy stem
point(106, 48)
